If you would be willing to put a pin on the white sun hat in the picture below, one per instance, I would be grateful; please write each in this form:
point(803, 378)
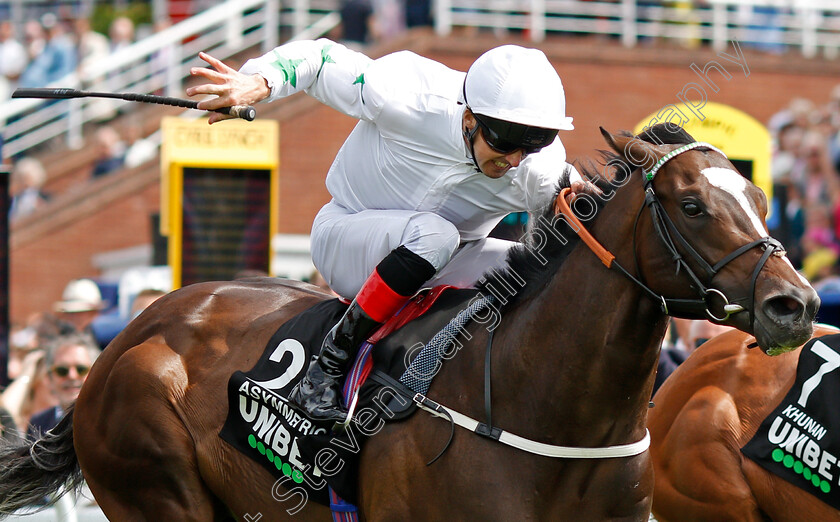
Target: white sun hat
point(80, 295)
point(519, 85)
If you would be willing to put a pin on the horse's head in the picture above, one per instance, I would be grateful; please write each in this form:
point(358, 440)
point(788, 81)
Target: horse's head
point(703, 238)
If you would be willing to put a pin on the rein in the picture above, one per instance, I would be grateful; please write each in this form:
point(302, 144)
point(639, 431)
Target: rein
point(670, 237)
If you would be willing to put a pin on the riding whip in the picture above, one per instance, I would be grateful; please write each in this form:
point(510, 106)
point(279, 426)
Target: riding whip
point(246, 112)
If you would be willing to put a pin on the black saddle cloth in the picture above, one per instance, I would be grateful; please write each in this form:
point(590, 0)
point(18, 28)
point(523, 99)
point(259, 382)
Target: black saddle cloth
point(301, 452)
point(800, 440)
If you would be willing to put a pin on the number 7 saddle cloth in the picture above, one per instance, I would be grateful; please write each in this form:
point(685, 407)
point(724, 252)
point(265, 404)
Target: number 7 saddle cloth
point(800, 440)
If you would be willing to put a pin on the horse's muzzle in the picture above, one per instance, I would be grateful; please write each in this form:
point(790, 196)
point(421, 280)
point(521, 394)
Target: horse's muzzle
point(785, 321)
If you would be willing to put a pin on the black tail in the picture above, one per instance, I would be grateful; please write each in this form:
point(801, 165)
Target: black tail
point(31, 471)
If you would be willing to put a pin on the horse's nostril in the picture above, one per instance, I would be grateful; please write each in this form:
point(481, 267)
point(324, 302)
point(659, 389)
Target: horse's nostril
point(784, 307)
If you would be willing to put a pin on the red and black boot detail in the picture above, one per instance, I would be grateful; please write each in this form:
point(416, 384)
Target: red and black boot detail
point(386, 290)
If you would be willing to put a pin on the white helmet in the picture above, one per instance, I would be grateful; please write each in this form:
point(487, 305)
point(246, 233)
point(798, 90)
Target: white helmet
point(519, 85)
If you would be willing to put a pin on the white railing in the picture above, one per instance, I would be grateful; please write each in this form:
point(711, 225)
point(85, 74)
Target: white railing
point(810, 25)
point(159, 63)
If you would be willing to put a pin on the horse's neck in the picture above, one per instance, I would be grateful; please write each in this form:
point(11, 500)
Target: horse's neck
point(588, 344)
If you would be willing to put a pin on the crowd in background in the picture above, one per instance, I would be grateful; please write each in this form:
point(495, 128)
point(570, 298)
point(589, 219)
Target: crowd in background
point(51, 353)
point(112, 151)
point(42, 51)
point(805, 213)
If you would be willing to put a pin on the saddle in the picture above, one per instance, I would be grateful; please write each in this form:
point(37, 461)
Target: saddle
point(303, 452)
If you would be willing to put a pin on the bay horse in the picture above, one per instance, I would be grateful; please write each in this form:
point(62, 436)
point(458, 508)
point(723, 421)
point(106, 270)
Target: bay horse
point(573, 360)
point(704, 413)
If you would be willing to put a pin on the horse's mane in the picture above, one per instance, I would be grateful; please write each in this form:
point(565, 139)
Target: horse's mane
point(549, 241)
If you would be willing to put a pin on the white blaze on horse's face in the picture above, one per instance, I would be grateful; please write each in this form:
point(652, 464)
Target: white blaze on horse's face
point(735, 184)
point(801, 277)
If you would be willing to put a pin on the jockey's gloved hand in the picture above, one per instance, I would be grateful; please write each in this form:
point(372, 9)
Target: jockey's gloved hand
point(578, 184)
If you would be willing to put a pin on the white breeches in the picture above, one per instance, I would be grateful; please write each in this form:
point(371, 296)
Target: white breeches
point(347, 246)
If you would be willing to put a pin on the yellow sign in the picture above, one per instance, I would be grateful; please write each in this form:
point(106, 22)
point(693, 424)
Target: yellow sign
point(219, 196)
point(231, 143)
point(744, 139)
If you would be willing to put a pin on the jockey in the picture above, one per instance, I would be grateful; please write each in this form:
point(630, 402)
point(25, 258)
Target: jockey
point(437, 159)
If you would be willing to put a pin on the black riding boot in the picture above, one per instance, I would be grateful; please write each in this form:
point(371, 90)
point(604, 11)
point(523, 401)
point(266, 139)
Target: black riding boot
point(319, 393)
point(384, 292)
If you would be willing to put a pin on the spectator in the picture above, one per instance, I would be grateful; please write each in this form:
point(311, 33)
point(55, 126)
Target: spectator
point(795, 215)
point(120, 36)
point(813, 171)
point(785, 153)
point(29, 392)
point(121, 33)
point(21, 342)
point(143, 299)
point(819, 246)
point(418, 13)
point(701, 331)
point(28, 177)
point(163, 59)
point(35, 39)
point(389, 19)
point(68, 361)
point(80, 303)
point(356, 21)
point(92, 47)
point(8, 429)
point(110, 151)
point(57, 60)
point(107, 326)
point(13, 56)
point(140, 149)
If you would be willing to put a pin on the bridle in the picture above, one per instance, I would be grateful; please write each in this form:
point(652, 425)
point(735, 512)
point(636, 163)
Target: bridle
point(671, 238)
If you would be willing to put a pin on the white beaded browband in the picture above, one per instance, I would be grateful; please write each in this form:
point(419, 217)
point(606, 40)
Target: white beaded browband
point(676, 152)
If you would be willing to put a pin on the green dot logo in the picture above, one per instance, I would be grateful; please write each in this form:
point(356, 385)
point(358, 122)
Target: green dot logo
point(269, 454)
point(287, 470)
point(777, 455)
point(297, 476)
point(252, 441)
point(815, 480)
point(798, 467)
point(261, 448)
point(277, 462)
point(788, 461)
point(807, 474)
point(825, 487)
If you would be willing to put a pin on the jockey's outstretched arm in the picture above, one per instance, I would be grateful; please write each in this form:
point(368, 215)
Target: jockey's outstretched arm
point(291, 68)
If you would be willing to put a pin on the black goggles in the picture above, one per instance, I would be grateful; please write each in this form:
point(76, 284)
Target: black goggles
point(506, 137)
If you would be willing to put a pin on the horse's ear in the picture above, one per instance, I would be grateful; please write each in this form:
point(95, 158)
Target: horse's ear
point(635, 151)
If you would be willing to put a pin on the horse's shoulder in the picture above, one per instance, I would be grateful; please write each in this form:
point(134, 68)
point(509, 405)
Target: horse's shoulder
point(739, 373)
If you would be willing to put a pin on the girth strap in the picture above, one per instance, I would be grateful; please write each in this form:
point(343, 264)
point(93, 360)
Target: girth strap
point(531, 446)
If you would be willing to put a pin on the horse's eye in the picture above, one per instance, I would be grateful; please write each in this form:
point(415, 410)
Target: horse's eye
point(691, 209)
